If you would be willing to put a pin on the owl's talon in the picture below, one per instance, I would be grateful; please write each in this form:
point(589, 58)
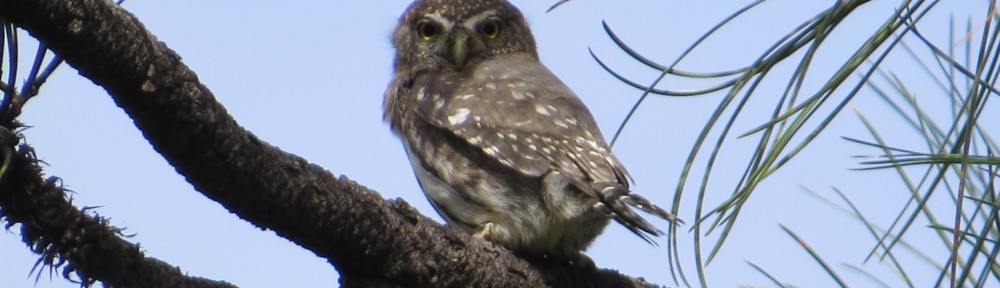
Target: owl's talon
point(582, 261)
point(485, 232)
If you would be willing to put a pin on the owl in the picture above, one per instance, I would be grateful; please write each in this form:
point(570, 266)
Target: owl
point(500, 146)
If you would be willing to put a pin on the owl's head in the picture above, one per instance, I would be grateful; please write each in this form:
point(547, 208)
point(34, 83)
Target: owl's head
point(455, 34)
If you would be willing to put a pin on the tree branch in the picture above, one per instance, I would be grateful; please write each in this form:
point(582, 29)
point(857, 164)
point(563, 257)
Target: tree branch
point(368, 239)
point(87, 245)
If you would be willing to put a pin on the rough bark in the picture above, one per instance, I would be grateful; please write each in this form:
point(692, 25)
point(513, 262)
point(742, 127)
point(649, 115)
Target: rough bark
point(371, 241)
point(84, 245)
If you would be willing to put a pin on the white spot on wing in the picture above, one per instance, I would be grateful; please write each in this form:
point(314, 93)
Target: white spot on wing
point(438, 101)
point(517, 95)
point(560, 123)
point(461, 114)
point(421, 94)
point(492, 150)
point(475, 140)
point(541, 110)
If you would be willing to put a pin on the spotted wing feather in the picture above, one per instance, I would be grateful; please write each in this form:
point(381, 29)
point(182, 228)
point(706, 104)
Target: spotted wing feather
point(519, 113)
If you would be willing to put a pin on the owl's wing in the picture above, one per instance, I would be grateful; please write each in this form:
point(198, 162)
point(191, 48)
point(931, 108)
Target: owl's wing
point(518, 112)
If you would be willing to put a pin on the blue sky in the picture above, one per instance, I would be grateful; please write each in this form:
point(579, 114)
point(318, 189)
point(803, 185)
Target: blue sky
point(308, 77)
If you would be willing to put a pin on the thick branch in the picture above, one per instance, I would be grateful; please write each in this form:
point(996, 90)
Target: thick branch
point(367, 238)
point(85, 244)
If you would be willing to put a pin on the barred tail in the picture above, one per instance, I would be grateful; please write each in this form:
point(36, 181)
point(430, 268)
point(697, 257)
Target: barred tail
point(615, 201)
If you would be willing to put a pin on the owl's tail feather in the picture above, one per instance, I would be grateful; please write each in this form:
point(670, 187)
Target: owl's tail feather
point(637, 201)
point(616, 201)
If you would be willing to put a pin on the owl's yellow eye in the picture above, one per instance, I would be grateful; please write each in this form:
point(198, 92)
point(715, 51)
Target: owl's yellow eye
point(490, 29)
point(428, 30)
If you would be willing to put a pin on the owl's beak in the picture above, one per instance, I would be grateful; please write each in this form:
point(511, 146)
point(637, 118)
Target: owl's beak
point(460, 48)
point(464, 47)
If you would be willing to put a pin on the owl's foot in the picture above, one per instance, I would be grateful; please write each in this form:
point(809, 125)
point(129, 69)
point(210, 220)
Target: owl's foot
point(576, 260)
point(485, 232)
point(582, 261)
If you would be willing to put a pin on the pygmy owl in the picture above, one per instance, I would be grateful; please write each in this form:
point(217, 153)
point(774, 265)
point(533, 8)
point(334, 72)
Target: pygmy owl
point(500, 146)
